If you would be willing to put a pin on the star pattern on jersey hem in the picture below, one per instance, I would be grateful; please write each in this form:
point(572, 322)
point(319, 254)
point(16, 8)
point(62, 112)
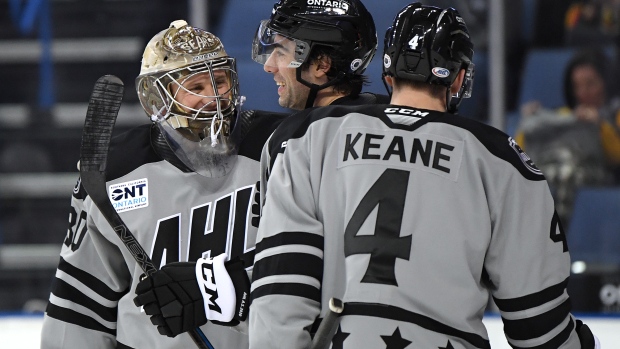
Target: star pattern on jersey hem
point(395, 340)
point(399, 314)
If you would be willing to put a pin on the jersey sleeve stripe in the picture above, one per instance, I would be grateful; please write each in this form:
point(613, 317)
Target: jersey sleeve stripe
point(399, 314)
point(532, 300)
point(537, 326)
point(290, 278)
point(302, 249)
point(290, 238)
point(90, 281)
point(73, 317)
point(67, 304)
point(291, 289)
point(289, 263)
point(63, 290)
point(554, 343)
point(84, 289)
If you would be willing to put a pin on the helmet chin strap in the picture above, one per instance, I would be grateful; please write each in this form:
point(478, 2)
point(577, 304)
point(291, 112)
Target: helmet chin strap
point(449, 107)
point(314, 88)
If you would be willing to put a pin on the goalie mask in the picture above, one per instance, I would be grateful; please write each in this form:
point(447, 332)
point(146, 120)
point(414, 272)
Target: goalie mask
point(345, 26)
point(431, 45)
point(188, 85)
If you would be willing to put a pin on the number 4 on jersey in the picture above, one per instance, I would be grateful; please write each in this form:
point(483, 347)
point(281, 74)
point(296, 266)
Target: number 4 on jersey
point(388, 195)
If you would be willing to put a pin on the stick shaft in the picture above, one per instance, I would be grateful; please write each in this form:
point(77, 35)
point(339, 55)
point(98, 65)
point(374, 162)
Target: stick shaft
point(323, 337)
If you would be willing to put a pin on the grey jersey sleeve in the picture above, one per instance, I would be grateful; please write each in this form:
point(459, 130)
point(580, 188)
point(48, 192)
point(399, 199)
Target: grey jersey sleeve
point(290, 238)
point(90, 280)
point(528, 263)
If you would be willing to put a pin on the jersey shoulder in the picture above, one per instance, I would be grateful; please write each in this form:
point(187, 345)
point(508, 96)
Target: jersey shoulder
point(498, 143)
point(363, 98)
point(261, 124)
point(296, 125)
point(130, 150)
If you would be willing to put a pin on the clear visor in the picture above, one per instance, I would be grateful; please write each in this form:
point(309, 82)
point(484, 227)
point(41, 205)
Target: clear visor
point(276, 50)
point(468, 82)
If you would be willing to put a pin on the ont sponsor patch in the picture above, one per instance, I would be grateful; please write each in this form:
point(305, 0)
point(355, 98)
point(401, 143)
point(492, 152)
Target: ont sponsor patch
point(129, 195)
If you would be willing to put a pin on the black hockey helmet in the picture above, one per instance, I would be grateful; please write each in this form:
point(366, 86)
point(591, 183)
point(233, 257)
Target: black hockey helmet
point(431, 45)
point(343, 25)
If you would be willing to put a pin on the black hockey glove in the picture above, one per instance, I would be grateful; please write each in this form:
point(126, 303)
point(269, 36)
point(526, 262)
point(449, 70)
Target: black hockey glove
point(182, 296)
point(587, 339)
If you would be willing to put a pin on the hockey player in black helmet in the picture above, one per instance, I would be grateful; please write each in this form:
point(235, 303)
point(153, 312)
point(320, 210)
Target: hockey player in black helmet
point(410, 214)
point(318, 52)
point(430, 46)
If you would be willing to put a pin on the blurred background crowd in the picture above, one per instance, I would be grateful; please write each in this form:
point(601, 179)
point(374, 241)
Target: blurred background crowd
point(560, 101)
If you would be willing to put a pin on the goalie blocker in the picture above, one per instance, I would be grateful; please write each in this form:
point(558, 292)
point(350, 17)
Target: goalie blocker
point(182, 295)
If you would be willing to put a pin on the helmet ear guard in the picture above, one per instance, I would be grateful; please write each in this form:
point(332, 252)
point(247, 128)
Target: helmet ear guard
point(430, 45)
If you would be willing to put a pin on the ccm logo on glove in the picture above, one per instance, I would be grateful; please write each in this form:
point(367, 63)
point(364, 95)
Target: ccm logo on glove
point(217, 288)
point(184, 295)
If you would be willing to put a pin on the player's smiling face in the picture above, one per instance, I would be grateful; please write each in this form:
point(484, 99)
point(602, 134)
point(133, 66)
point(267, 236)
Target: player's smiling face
point(293, 94)
point(197, 93)
point(195, 97)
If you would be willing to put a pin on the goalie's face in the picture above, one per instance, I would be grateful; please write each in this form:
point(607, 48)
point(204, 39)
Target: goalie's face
point(198, 92)
point(199, 97)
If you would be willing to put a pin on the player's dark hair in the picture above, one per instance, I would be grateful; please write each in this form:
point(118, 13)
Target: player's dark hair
point(436, 91)
point(349, 84)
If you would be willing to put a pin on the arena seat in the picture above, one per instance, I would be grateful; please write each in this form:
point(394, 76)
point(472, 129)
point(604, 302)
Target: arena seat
point(542, 76)
point(594, 231)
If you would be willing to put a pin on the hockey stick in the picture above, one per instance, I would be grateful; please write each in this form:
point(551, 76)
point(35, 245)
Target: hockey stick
point(103, 107)
point(323, 336)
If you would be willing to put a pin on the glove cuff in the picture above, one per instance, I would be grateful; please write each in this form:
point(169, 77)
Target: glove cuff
point(218, 291)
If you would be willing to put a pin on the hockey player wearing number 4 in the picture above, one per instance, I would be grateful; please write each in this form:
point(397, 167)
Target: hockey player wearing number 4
point(411, 215)
point(184, 185)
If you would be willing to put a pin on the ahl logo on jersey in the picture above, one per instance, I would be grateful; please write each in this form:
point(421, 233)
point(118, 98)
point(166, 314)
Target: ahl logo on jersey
point(129, 195)
point(527, 161)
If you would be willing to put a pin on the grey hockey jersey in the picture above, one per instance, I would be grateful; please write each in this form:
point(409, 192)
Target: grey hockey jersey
point(175, 215)
point(413, 218)
point(273, 145)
